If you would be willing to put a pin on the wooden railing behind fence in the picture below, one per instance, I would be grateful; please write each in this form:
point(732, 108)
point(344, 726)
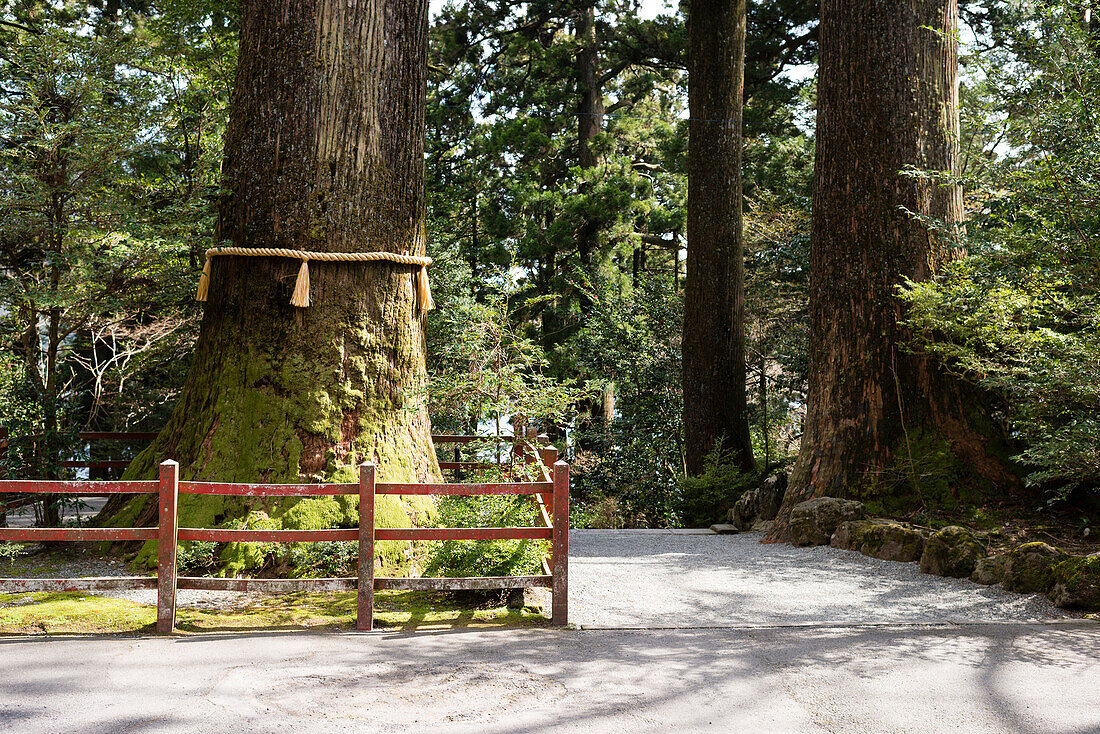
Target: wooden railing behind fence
point(550, 492)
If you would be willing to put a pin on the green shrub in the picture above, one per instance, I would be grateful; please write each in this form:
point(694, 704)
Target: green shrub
point(197, 557)
point(324, 559)
point(486, 557)
point(706, 498)
point(9, 552)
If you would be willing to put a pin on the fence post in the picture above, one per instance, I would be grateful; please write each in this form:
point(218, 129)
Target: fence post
point(3, 472)
point(168, 525)
point(364, 618)
point(559, 607)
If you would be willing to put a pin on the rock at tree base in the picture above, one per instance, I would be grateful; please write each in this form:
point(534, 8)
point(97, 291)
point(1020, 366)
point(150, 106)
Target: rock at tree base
point(892, 541)
point(989, 570)
point(849, 535)
point(1030, 568)
point(1077, 583)
point(814, 521)
point(953, 551)
point(759, 504)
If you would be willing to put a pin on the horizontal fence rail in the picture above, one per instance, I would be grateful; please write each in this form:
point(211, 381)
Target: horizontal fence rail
point(550, 493)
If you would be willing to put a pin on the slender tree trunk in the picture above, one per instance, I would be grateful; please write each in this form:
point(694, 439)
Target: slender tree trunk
point(714, 300)
point(590, 109)
point(324, 151)
point(887, 100)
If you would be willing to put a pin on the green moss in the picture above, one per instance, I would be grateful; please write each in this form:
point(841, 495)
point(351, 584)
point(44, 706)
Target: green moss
point(850, 535)
point(311, 513)
point(258, 406)
point(952, 551)
point(1077, 583)
point(81, 613)
point(936, 478)
point(1030, 568)
point(891, 542)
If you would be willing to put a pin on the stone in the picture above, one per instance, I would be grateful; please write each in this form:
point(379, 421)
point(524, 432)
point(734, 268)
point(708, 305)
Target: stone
point(1030, 568)
point(763, 526)
point(760, 503)
point(952, 551)
point(725, 529)
point(814, 521)
point(892, 541)
point(849, 535)
point(989, 570)
point(1077, 583)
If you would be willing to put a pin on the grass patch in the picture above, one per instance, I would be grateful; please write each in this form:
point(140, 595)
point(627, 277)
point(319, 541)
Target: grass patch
point(56, 613)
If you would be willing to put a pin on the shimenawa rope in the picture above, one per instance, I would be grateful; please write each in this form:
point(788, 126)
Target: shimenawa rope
point(300, 297)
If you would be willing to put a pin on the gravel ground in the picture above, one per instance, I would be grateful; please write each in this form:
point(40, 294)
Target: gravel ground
point(653, 580)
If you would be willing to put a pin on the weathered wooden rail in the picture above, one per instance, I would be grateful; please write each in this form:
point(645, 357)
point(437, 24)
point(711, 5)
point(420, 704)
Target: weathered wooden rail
point(550, 492)
point(118, 465)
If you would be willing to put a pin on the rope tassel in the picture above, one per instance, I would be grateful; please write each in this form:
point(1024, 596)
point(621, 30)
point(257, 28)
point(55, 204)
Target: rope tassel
point(204, 281)
point(300, 298)
point(423, 290)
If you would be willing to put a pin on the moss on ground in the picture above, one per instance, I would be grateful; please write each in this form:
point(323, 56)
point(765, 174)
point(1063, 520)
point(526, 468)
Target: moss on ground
point(81, 613)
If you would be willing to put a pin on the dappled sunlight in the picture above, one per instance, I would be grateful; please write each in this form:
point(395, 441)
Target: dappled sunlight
point(997, 678)
point(643, 580)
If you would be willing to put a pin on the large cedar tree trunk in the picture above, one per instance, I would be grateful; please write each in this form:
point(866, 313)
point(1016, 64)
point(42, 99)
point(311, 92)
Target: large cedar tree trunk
point(887, 100)
point(714, 299)
point(324, 151)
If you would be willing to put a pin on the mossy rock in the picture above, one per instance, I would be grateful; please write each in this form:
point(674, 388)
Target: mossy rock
point(814, 521)
point(849, 535)
point(892, 542)
point(1077, 583)
point(953, 551)
point(989, 570)
point(1030, 568)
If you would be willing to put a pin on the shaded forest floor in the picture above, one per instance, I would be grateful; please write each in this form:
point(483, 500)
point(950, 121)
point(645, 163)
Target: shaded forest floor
point(1007, 524)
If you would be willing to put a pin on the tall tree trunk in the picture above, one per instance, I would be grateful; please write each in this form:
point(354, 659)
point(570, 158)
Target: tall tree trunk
point(324, 151)
point(887, 100)
point(590, 111)
point(714, 299)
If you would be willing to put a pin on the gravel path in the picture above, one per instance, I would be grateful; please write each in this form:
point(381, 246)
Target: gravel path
point(646, 579)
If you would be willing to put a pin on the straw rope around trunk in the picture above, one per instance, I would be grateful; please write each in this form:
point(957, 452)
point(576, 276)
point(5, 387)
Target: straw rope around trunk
point(300, 297)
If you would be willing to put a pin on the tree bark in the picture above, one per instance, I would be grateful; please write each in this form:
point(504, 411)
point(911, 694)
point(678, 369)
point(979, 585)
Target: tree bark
point(714, 301)
point(590, 110)
point(324, 151)
point(887, 100)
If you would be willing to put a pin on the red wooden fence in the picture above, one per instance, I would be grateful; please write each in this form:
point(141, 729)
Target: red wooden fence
point(550, 492)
